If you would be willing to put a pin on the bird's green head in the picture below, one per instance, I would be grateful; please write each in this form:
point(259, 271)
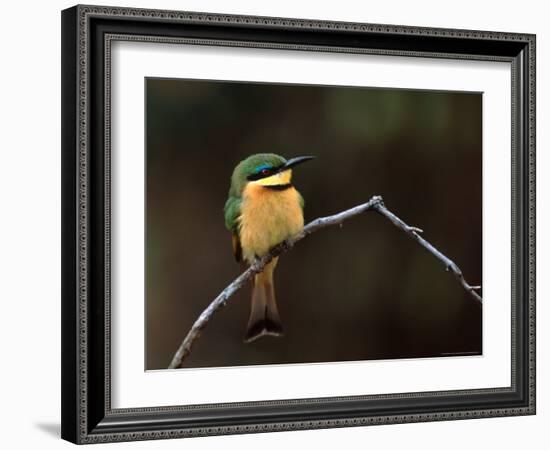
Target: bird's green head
point(266, 169)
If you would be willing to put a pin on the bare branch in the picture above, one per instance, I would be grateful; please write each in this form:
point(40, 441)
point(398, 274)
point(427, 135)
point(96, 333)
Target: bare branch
point(374, 204)
point(449, 265)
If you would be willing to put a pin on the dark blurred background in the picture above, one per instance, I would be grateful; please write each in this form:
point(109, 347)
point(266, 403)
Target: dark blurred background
point(363, 291)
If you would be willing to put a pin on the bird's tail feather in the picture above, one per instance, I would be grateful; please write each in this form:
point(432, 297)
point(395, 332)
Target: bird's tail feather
point(264, 316)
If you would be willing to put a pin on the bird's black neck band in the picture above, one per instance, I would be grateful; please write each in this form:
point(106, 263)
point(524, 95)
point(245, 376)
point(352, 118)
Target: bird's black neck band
point(279, 187)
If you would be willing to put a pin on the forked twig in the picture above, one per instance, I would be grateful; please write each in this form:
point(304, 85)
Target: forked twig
point(374, 204)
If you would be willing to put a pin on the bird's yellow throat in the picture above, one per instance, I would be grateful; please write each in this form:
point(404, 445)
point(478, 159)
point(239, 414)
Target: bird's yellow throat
point(280, 178)
point(268, 217)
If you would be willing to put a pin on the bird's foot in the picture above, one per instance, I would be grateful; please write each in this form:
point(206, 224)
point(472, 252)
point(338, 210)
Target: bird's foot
point(285, 246)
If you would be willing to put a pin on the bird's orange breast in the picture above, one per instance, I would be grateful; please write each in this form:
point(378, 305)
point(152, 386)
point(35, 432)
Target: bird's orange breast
point(267, 218)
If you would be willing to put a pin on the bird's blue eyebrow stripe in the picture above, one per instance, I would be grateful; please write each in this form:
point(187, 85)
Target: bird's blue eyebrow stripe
point(262, 167)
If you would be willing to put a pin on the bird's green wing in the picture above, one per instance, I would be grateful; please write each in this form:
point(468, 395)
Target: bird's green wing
point(232, 211)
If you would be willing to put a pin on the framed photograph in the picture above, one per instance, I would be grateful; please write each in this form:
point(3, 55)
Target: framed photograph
point(277, 224)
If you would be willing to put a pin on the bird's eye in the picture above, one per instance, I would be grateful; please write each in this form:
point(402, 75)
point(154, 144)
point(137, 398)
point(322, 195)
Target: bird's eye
point(265, 172)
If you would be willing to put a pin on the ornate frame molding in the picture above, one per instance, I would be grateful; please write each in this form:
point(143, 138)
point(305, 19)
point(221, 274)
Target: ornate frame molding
point(86, 422)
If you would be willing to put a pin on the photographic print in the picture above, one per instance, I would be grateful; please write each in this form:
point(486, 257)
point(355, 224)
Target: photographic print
point(235, 168)
point(335, 219)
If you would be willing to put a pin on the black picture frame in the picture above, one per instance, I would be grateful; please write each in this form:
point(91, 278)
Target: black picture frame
point(87, 416)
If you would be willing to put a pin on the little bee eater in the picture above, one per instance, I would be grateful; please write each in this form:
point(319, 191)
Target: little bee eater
point(263, 209)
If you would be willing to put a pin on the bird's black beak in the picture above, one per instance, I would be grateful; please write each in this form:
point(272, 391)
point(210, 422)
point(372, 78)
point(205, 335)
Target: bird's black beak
point(298, 160)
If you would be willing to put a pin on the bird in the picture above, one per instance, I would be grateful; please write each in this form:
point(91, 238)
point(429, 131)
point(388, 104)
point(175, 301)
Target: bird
point(262, 210)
